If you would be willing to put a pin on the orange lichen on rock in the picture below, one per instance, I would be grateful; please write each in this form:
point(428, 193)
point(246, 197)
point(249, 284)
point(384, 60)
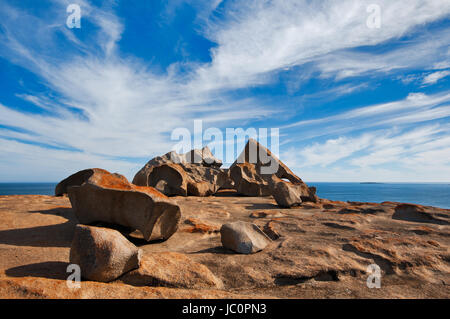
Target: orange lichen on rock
point(108, 180)
point(271, 230)
point(105, 179)
point(150, 190)
point(198, 226)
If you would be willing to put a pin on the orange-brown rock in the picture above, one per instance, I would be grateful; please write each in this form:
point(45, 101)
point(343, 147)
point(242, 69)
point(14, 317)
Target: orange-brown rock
point(199, 226)
point(271, 229)
point(420, 214)
point(266, 215)
point(169, 269)
point(288, 194)
point(321, 254)
point(109, 198)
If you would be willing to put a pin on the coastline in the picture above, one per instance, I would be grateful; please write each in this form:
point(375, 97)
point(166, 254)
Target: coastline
point(429, 194)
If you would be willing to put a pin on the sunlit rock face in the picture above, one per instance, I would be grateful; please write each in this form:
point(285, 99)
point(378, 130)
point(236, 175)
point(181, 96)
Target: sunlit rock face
point(195, 173)
point(99, 196)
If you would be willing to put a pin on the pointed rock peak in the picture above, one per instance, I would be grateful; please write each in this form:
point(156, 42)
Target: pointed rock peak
point(202, 156)
point(265, 162)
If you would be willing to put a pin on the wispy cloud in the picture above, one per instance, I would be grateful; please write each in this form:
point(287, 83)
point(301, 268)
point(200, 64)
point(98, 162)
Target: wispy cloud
point(433, 78)
point(394, 155)
point(322, 32)
point(105, 107)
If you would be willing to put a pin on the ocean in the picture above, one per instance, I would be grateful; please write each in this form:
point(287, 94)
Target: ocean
point(425, 194)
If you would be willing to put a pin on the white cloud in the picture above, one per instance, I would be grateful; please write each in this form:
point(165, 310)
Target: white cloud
point(125, 109)
point(263, 37)
point(21, 162)
point(421, 154)
point(416, 107)
point(333, 150)
point(433, 78)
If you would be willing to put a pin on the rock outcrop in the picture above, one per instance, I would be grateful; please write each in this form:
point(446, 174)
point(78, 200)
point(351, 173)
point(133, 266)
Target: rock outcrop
point(79, 178)
point(257, 172)
point(196, 173)
point(110, 198)
point(103, 254)
point(323, 252)
point(288, 194)
point(170, 269)
point(243, 237)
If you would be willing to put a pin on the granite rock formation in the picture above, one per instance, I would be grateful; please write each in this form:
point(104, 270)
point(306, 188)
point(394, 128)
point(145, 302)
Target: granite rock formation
point(319, 250)
point(110, 198)
point(170, 269)
point(196, 173)
point(103, 254)
point(254, 172)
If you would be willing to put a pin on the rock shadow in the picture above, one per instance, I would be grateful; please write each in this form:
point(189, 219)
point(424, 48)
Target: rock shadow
point(59, 235)
point(65, 212)
point(258, 206)
point(411, 214)
point(49, 269)
point(339, 226)
point(228, 193)
point(385, 264)
point(216, 250)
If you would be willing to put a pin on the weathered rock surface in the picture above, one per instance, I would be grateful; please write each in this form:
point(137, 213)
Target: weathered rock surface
point(323, 250)
point(175, 270)
point(103, 254)
point(110, 198)
point(288, 194)
point(79, 178)
point(256, 167)
point(243, 237)
point(196, 173)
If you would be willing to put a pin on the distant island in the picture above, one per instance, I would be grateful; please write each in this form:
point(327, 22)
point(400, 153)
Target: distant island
point(370, 183)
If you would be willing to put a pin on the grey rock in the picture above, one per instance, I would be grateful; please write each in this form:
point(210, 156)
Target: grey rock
point(243, 237)
point(256, 167)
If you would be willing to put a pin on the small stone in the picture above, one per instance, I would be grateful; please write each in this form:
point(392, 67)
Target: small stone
point(243, 237)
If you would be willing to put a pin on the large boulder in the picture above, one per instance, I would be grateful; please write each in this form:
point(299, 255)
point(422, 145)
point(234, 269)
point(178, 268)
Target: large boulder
point(243, 237)
point(288, 194)
point(196, 173)
point(254, 171)
point(170, 269)
point(103, 254)
point(110, 198)
point(248, 181)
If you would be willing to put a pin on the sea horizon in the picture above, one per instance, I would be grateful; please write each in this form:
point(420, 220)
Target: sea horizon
point(435, 194)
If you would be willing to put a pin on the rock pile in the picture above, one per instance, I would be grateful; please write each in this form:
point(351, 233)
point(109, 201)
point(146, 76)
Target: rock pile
point(257, 172)
point(99, 196)
point(196, 173)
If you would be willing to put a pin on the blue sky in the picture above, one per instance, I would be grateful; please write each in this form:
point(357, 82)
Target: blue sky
point(352, 102)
